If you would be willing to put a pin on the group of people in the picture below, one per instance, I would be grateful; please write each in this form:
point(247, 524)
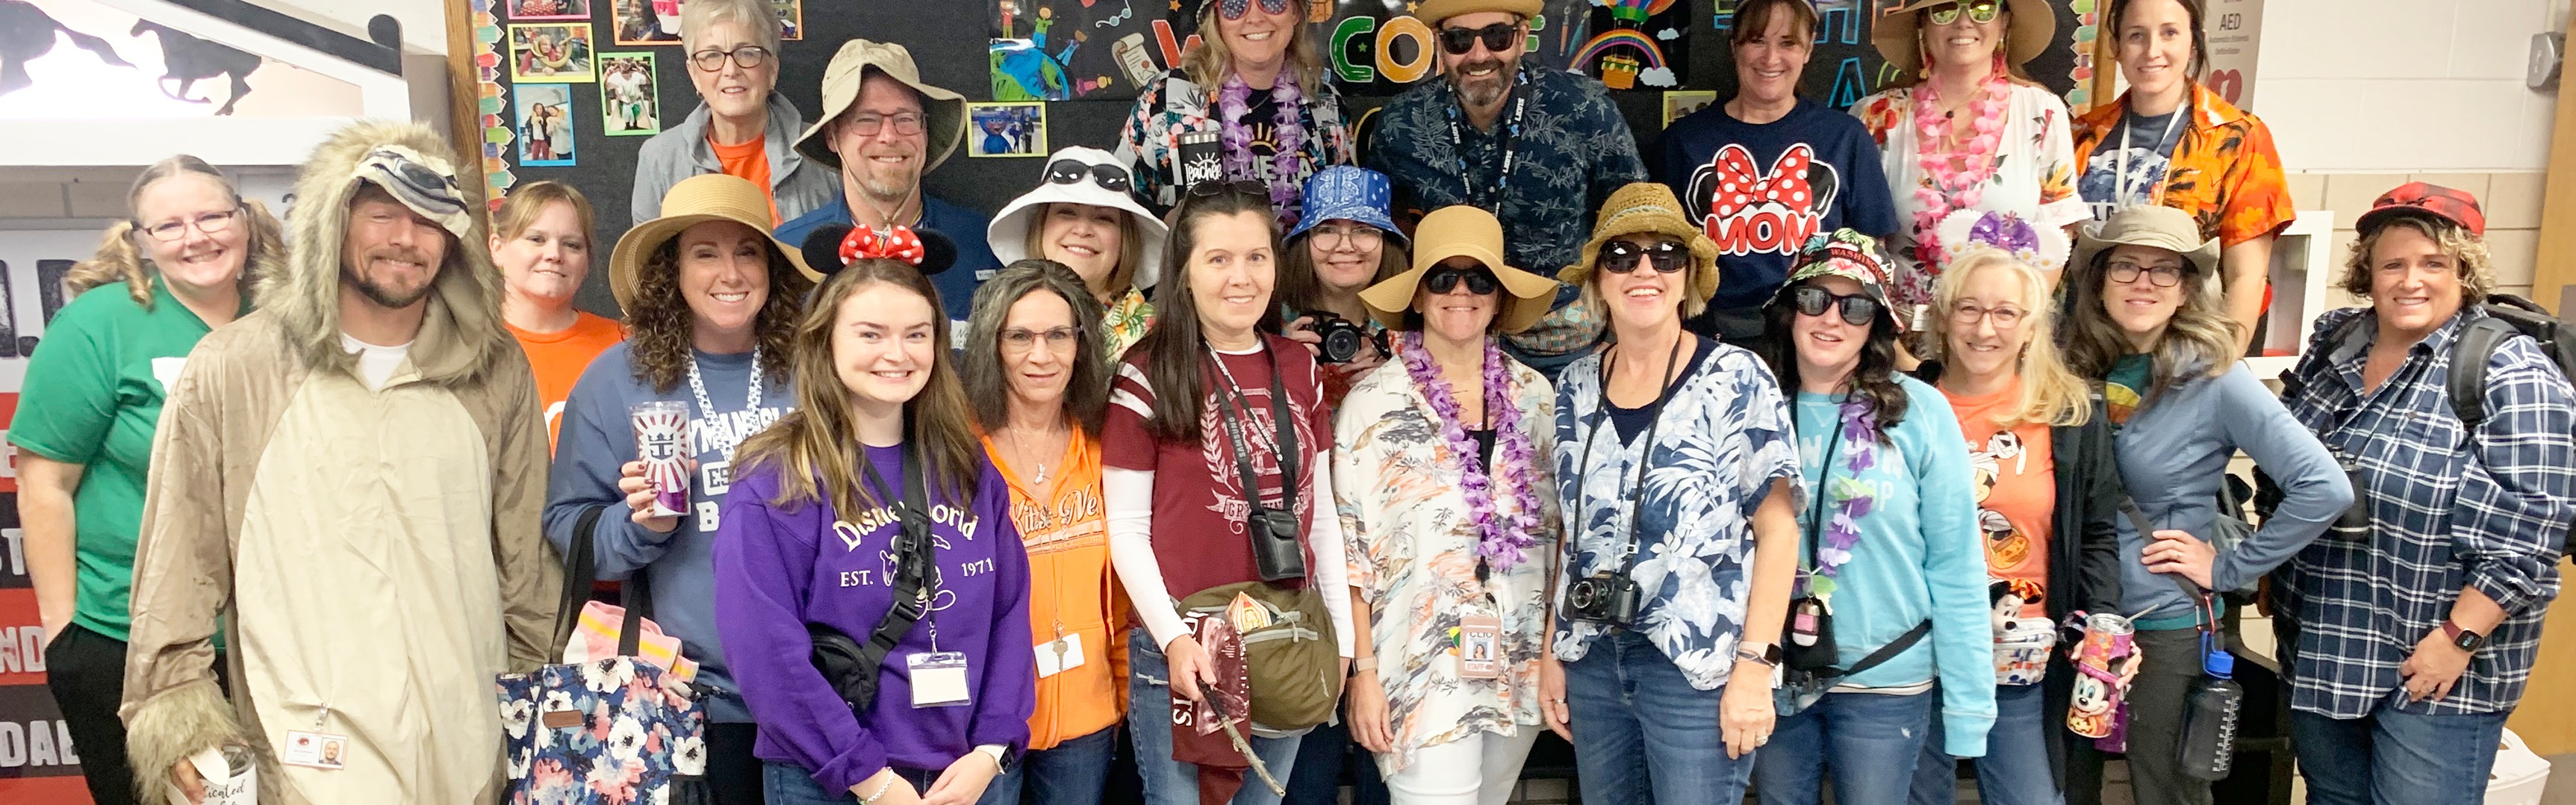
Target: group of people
point(1856, 445)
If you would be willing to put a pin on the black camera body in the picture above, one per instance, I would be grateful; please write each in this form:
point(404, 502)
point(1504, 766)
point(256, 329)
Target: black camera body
point(1341, 341)
point(1605, 598)
point(1276, 555)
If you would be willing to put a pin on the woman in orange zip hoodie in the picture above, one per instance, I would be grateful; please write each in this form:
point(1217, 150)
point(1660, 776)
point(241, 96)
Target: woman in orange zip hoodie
point(1036, 368)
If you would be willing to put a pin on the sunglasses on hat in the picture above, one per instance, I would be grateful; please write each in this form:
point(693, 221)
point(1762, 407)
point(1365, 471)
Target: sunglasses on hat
point(1235, 9)
point(1479, 281)
point(1979, 11)
point(1498, 38)
point(1858, 309)
point(1073, 171)
point(1212, 189)
point(1620, 257)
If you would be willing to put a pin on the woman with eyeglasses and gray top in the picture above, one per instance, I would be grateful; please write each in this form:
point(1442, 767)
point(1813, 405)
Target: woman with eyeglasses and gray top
point(742, 126)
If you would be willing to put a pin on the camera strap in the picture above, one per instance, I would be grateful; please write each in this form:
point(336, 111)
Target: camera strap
point(1280, 422)
point(1654, 419)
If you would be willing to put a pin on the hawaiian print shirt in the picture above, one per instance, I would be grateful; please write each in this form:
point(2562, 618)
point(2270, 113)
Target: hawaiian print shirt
point(1172, 106)
point(1724, 435)
point(1126, 322)
point(1413, 554)
point(2225, 171)
point(2034, 175)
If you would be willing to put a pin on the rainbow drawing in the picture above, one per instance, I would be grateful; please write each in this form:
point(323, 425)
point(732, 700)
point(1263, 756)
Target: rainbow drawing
point(1651, 54)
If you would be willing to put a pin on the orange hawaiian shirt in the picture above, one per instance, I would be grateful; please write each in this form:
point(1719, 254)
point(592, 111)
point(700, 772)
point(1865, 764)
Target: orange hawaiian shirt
point(2225, 171)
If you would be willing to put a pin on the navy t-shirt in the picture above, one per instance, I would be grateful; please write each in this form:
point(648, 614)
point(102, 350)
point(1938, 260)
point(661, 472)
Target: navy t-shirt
point(1760, 190)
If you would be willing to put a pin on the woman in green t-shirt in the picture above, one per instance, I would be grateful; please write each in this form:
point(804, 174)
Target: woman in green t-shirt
point(85, 419)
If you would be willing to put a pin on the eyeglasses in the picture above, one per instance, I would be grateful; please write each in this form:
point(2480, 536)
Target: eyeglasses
point(1620, 257)
point(748, 57)
point(1235, 9)
point(1498, 38)
point(1073, 171)
point(1358, 237)
point(177, 228)
point(1479, 281)
point(866, 125)
point(2124, 271)
point(1979, 12)
point(1019, 341)
point(2004, 318)
point(1858, 309)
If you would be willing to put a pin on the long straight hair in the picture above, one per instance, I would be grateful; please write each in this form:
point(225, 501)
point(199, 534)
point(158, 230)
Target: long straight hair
point(2049, 393)
point(1086, 391)
point(1174, 352)
point(1874, 381)
point(119, 260)
point(815, 448)
point(2200, 339)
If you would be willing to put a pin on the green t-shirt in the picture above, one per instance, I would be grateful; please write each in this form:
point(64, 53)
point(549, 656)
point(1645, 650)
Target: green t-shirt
point(92, 397)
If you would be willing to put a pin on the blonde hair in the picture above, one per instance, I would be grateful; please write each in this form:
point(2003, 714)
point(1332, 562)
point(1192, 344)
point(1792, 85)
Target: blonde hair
point(522, 207)
point(119, 260)
point(2468, 254)
point(1131, 247)
point(756, 15)
point(1208, 64)
point(2200, 339)
point(2049, 392)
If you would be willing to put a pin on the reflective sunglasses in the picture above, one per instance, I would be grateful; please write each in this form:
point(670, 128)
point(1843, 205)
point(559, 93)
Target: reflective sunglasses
point(1979, 12)
point(1235, 9)
point(1620, 257)
point(1073, 171)
point(1498, 38)
point(1858, 309)
point(1479, 281)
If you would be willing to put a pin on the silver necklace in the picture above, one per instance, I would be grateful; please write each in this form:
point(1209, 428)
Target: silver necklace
point(1018, 442)
point(698, 387)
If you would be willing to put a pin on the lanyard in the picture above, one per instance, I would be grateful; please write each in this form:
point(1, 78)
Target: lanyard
point(1816, 505)
point(913, 548)
point(1511, 142)
point(2127, 120)
point(1654, 419)
point(1285, 448)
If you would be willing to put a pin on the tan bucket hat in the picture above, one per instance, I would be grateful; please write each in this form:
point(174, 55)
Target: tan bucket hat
point(944, 111)
point(1897, 31)
point(695, 200)
point(1462, 231)
point(2147, 225)
point(1648, 207)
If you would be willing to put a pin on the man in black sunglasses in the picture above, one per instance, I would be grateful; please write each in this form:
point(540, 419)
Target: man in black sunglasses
point(1539, 147)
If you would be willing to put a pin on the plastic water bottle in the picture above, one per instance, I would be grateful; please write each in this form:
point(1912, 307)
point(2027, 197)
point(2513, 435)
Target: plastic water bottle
point(2209, 719)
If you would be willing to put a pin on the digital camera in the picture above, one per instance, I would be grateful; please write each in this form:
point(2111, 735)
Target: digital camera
point(1605, 598)
point(1342, 341)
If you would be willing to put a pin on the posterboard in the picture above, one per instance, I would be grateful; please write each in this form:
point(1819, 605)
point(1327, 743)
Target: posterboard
point(1083, 60)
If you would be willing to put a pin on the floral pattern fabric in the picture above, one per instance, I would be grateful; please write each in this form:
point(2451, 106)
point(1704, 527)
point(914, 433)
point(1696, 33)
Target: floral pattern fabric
point(1173, 106)
point(1724, 435)
point(1126, 322)
point(634, 734)
point(1412, 552)
point(2034, 173)
point(2225, 171)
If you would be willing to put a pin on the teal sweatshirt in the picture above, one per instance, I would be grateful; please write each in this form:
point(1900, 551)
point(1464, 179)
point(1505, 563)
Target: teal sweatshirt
point(1920, 556)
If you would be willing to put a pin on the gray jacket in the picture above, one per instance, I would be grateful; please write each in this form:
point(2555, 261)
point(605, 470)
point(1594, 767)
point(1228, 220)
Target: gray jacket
point(681, 151)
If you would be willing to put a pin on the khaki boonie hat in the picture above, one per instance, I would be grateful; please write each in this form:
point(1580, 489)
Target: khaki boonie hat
point(944, 111)
point(1648, 207)
point(1462, 231)
point(2147, 225)
point(695, 200)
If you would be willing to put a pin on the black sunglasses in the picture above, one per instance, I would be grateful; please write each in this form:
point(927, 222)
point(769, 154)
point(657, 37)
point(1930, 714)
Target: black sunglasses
point(1858, 309)
point(1214, 188)
point(1071, 171)
point(1443, 280)
point(1498, 38)
point(1620, 257)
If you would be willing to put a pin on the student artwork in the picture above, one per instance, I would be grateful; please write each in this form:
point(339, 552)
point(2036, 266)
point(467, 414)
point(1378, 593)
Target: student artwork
point(1006, 129)
point(791, 19)
point(1074, 49)
point(646, 22)
point(628, 104)
point(551, 53)
point(1638, 43)
point(545, 126)
point(548, 9)
point(1680, 103)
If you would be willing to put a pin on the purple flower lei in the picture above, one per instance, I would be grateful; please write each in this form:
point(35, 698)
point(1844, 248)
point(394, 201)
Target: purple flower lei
point(1504, 540)
point(1233, 104)
point(1852, 497)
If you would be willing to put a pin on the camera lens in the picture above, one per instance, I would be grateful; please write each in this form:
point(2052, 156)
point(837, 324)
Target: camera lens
point(1581, 595)
point(1341, 344)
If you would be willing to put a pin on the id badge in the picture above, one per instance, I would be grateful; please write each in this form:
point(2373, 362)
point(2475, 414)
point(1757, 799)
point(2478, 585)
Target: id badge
point(1480, 647)
point(938, 678)
point(318, 750)
point(1059, 655)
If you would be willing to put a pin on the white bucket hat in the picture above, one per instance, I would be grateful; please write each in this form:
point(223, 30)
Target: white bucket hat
point(1079, 175)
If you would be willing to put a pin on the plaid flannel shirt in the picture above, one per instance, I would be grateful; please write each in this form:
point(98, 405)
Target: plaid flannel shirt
point(2448, 509)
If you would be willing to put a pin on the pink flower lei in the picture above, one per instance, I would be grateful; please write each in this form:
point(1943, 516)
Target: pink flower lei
point(1946, 187)
point(1503, 540)
point(1233, 104)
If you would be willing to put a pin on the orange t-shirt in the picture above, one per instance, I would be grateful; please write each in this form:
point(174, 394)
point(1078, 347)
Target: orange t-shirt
point(2016, 489)
point(748, 160)
point(1074, 596)
point(560, 357)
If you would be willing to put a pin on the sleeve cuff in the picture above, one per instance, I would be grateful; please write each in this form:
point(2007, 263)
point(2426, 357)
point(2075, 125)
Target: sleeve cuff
point(2511, 592)
point(854, 766)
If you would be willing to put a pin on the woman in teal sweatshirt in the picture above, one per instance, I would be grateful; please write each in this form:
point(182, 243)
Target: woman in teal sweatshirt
point(1890, 546)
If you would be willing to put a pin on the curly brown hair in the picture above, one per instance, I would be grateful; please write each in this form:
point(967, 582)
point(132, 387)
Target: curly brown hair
point(2468, 255)
point(658, 324)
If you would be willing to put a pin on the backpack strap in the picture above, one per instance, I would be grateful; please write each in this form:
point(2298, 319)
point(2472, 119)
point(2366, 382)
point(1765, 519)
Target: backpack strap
point(2292, 384)
point(2468, 380)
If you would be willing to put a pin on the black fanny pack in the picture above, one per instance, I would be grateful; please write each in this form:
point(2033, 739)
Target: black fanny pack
point(851, 667)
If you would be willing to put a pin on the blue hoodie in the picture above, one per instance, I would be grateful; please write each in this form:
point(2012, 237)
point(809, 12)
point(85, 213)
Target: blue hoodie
point(598, 438)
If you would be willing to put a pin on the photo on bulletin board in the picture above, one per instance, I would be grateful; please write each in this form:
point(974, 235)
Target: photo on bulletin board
point(1055, 50)
point(1006, 130)
point(629, 105)
point(645, 22)
point(1680, 103)
point(791, 19)
point(557, 53)
point(548, 9)
point(545, 124)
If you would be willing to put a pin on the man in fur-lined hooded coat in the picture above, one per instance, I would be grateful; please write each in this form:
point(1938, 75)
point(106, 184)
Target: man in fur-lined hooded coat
point(349, 482)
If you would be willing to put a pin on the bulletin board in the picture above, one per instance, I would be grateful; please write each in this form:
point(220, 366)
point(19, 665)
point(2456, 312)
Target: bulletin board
point(1084, 60)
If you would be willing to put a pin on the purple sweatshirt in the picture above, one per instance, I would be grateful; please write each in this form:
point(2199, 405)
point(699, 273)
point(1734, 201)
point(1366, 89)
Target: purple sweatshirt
point(777, 568)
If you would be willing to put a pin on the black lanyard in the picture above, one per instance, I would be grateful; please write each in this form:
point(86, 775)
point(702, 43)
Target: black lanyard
point(1511, 143)
point(913, 548)
point(1816, 506)
point(1280, 423)
point(1654, 419)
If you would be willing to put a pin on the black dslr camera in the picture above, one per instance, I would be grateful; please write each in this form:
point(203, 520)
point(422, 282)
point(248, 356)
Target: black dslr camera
point(1605, 598)
point(1342, 340)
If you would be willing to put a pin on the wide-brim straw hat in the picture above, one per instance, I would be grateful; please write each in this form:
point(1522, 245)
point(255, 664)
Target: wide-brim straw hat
point(1648, 207)
point(695, 200)
point(1898, 32)
point(1433, 11)
point(1009, 233)
point(944, 111)
point(1462, 231)
point(2147, 225)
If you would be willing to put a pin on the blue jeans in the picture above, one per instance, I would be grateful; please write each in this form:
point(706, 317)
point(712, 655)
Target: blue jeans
point(1073, 772)
point(1149, 719)
point(2015, 768)
point(1865, 739)
point(1321, 757)
point(1642, 734)
point(791, 784)
point(2391, 757)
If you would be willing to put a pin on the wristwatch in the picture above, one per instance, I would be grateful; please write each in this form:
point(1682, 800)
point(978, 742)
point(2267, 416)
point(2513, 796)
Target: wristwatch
point(2466, 640)
point(1768, 656)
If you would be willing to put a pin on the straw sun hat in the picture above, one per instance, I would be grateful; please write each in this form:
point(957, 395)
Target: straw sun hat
point(695, 200)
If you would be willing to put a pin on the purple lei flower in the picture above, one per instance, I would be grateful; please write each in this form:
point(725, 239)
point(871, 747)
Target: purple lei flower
point(1505, 540)
point(1233, 104)
point(1852, 501)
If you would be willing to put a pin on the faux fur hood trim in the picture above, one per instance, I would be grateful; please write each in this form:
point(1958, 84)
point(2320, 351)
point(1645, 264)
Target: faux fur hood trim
point(461, 334)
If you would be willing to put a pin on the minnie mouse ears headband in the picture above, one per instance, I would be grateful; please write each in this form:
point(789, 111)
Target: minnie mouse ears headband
point(830, 248)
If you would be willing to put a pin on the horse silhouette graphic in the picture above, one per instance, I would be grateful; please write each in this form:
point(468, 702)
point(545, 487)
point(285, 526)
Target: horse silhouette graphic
point(27, 32)
point(188, 59)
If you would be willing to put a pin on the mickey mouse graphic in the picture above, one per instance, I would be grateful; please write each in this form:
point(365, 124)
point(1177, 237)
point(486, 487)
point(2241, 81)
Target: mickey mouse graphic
point(2006, 546)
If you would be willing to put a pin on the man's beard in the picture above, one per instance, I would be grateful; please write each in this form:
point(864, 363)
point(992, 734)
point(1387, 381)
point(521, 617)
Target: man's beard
point(386, 297)
point(1486, 91)
point(884, 188)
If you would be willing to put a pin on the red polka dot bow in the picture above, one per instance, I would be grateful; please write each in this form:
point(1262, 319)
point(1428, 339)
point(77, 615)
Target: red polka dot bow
point(898, 244)
point(1743, 185)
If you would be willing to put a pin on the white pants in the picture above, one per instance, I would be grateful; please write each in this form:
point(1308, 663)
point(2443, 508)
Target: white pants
point(1478, 770)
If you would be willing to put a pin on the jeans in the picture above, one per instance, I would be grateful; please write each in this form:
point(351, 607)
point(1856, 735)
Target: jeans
point(1321, 756)
point(1073, 772)
point(1149, 719)
point(1868, 741)
point(1642, 734)
point(86, 671)
point(2391, 757)
point(1480, 769)
point(2015, 768)
point(733, 774)
point(791, 784)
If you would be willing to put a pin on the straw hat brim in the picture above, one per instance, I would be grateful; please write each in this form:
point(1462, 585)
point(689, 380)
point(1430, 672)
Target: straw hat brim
point(1895, 32)
point(1526, 297)
point(626, 263)
point(1703, 268)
